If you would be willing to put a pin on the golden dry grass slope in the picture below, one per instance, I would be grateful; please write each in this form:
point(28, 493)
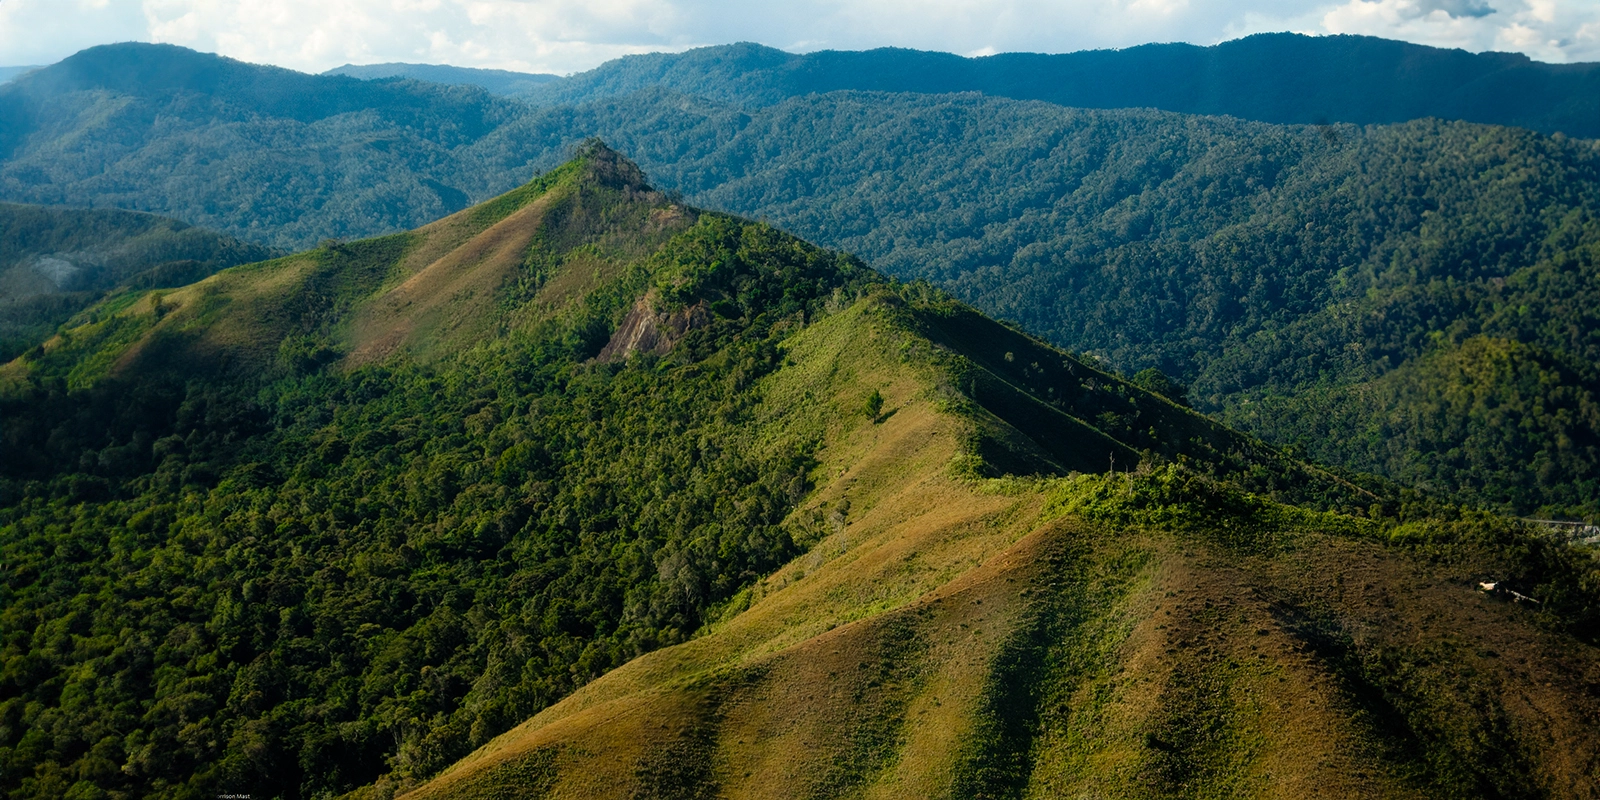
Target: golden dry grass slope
point(962, 636)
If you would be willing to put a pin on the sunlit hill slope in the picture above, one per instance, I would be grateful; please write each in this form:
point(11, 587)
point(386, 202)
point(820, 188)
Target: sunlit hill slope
point(582, 492)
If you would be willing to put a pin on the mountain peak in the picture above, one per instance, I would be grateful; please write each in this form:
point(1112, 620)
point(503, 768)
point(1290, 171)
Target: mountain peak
point(607, 167)
point(512, 261)
point(143, 68)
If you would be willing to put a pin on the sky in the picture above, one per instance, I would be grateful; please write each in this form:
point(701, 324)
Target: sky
point(566, 36)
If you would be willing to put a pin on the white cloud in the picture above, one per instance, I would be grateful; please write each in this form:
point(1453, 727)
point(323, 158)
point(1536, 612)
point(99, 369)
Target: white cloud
point(1163, 8)
point(1455, 8)
point(553, 35)
point(1548, 30)
point(570, 35)
point(1542, 10)
point(42, 31)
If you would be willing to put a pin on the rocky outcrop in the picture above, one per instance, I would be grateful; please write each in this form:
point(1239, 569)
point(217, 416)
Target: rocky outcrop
point(646, 330)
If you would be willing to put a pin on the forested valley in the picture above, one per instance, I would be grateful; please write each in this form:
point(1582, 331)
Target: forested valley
point(1298, 281)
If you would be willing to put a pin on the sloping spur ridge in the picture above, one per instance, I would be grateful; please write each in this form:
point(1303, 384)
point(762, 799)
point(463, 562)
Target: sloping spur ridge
point(456, 274)
point(955, 637)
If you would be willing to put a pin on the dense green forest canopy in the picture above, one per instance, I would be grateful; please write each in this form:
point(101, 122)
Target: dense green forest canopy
point(1249, 262)
point(56, 262)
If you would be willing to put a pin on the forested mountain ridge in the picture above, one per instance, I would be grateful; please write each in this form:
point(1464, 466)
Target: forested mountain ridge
point(298, 570)
point(333, 520)
point(56, 262)
point(267, 154)
point(1271, 77)
point(1248, 261)
point(418, 151)
point(1251, 262)
point(496, 81)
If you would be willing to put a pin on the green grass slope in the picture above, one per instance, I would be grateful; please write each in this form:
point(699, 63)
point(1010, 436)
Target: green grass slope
point(1153, 633)
point(1013, 650)
point(56, 262)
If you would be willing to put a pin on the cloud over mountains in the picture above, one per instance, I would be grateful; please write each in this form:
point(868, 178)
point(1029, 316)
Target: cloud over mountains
point(564, 36)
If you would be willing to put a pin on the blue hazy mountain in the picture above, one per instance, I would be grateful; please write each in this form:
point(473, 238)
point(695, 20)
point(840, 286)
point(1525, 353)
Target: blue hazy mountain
point(495, 81)
point(7, 74)
point(1280, 77)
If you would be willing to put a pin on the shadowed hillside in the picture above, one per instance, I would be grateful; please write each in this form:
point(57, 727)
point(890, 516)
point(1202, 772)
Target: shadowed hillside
point(262, 148)
point(56, 262)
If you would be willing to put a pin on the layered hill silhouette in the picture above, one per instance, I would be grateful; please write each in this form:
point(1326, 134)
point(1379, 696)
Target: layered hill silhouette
point(1272, 77)
point(582, 490)
point(496, 81)
point(1320, 285)
point(9, 73)
point(56, 262)
point(254, 151)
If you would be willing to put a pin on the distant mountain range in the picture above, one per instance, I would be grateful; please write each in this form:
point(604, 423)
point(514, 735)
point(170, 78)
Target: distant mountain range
point(1282, 78)
point(247, 149)
point(7, 74)
point(495, 81)
point(1362, 292)
point(1279, 77)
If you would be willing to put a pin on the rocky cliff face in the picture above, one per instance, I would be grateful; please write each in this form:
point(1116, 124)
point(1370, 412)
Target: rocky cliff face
point(648, 330)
